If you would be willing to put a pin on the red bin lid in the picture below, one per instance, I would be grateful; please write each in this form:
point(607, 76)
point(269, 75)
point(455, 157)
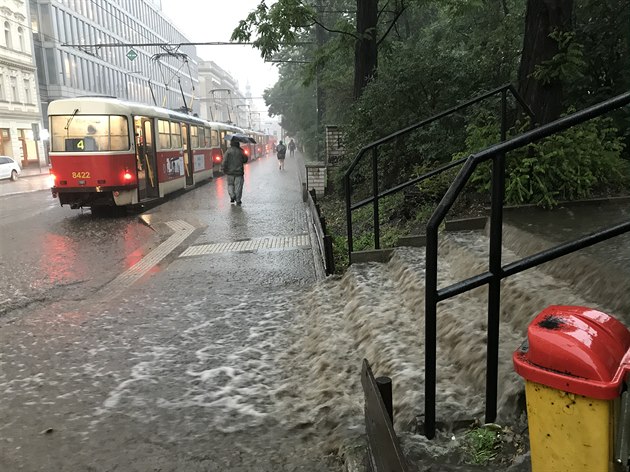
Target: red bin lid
point(577, 350)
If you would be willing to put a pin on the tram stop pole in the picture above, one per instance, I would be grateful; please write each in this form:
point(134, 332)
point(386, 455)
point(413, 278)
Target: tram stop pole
point(576, 365)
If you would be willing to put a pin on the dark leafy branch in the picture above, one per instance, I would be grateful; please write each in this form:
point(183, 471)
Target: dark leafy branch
point(393, 22)
point(330, 30)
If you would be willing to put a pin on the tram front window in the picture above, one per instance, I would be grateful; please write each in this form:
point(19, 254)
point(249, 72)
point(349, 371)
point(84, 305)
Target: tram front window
point(88, 133)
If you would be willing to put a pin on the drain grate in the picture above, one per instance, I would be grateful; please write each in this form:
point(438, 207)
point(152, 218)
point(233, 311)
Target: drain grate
point(279, 243)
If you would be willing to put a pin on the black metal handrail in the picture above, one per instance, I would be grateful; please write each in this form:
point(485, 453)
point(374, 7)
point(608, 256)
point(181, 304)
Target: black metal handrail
point(496, 272)
point(376, 196)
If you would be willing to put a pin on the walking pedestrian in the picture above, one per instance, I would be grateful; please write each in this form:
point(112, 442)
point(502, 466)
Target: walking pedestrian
point(281, 151)
point(292, 148)
point(233, 161)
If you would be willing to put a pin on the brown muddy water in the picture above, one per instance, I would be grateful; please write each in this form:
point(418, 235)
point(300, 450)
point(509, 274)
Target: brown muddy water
point(376, 311)
point(275, 371)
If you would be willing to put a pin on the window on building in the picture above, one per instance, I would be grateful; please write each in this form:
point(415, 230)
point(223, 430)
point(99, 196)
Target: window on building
point(21, 39)
point(27, 91)
point(2, 96)
point(68, 27)
point(14, 89)
point(7, 35)
point(61, 29)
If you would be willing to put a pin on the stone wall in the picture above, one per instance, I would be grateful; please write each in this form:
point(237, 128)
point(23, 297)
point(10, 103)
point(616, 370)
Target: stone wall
point(316, 178)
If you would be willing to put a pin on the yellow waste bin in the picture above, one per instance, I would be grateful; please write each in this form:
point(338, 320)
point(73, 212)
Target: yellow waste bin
point(574, 362)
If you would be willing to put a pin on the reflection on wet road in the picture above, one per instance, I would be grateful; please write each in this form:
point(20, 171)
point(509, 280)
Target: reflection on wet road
point(52, 253)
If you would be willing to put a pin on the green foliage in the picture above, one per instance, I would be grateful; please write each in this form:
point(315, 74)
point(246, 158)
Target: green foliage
point(482, 445)
point(295, 102)
point(567, 65)
point(449, 57)
point(571, 165)
point(274, 25)
point(601, 26)
point(440, 53)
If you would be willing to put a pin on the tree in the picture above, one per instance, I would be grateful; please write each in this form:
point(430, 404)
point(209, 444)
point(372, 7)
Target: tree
point(547, 48)
point(283, 22)
point(366, 51)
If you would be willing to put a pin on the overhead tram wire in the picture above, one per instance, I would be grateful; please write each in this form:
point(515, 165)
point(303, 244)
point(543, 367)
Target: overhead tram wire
point(167, 44)
point(289, 61)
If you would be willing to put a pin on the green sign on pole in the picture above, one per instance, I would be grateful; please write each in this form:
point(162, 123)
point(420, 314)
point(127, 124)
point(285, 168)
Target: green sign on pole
point(131, 54)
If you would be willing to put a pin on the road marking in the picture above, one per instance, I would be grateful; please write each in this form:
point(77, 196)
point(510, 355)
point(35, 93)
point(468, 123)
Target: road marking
point(270, 243)
point(140, 268)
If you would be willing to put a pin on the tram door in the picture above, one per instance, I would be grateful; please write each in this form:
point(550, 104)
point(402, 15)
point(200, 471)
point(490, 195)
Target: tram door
point(146, 158)
point(188, 163)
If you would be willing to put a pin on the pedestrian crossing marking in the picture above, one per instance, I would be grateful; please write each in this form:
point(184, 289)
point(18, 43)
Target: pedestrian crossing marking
point(269, 243)
point(181, 231)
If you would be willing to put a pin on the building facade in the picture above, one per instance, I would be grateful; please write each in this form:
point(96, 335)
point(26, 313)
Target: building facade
point(220, 97)
point(20, 115)
point(93, 47)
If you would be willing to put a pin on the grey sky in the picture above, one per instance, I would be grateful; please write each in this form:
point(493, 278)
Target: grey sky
point(214, 20)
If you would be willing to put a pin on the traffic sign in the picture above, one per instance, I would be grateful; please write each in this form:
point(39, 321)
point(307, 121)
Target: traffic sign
point(132, 54)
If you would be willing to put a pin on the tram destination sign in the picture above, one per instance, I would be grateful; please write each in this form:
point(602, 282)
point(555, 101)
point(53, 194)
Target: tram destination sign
point(132, 54)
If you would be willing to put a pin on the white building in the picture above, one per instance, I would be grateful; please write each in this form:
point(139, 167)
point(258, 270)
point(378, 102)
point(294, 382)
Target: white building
point(220, 97)
point(77, 54)
point(20, 115)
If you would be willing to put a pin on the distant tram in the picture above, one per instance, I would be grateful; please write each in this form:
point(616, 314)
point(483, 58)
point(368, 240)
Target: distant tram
point(108, 153)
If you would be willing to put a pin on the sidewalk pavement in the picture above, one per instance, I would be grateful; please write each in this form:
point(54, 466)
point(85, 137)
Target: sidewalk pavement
point(34, 171)
point(31, 179)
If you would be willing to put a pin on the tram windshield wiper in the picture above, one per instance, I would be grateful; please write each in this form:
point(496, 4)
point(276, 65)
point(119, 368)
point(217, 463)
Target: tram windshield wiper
point(76, 110)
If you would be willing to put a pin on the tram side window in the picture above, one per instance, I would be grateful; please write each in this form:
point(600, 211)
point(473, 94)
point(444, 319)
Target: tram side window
point(194, 137)
point(119, 133)
point(176, 135)
point(164, 133)
point(89, 133)
point(202, 137)
point(215, 138)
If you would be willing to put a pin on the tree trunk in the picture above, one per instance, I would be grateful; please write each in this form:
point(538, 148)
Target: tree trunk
point(543, 17)
point(365, 51)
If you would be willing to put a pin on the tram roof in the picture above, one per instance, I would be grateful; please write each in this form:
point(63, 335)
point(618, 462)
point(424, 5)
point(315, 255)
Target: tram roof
point(113, 106)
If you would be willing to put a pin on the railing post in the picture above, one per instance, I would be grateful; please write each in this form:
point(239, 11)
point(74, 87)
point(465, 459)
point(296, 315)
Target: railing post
point(494, 287)
point(348, 191)
point(430, 330)
point(377, 229)
point(384, 385)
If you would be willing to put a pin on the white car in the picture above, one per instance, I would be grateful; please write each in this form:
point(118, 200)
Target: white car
point(9, 169)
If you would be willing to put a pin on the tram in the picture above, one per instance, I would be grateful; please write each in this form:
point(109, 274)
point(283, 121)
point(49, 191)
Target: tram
point(106, 152)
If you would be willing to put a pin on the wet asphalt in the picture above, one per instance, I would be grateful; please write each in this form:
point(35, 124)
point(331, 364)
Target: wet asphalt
point(179, 369)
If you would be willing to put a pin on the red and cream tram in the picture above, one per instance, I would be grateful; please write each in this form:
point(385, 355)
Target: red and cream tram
point(107, 153)
point(220, 145)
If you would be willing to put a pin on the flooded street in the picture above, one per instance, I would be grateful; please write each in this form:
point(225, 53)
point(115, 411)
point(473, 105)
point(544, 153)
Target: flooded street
point(182, 369)
point(226, 353)
point(54, 254)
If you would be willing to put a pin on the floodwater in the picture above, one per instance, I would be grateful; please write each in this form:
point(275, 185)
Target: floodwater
point(568, 223)
point(200, 376)
point(602, 271)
